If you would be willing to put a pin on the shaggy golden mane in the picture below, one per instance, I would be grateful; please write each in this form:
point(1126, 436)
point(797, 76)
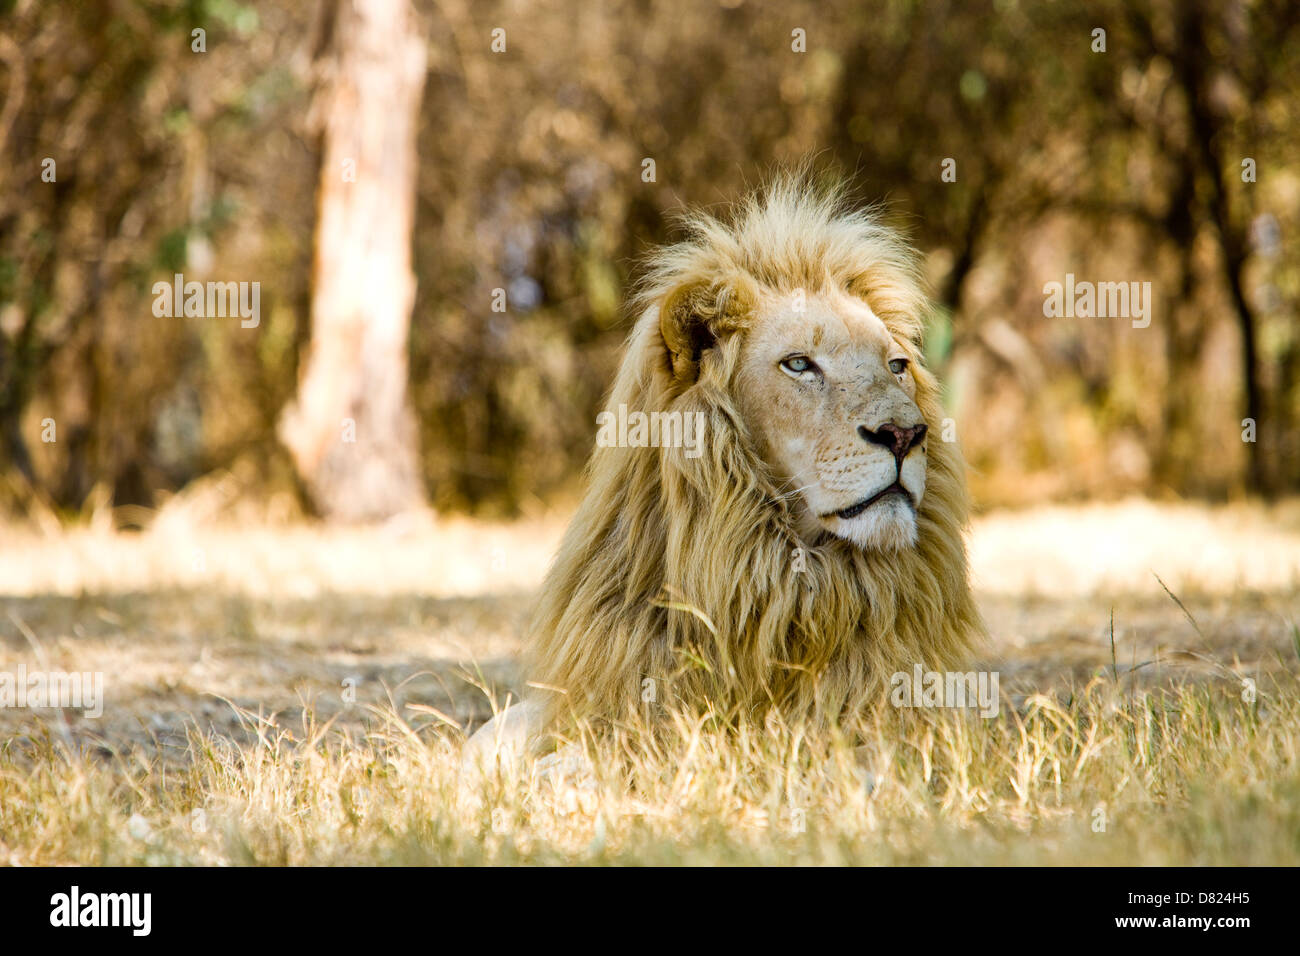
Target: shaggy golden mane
point(687, 572)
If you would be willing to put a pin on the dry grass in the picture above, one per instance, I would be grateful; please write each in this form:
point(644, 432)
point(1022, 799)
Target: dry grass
point(1194, 776)
point(227, 737)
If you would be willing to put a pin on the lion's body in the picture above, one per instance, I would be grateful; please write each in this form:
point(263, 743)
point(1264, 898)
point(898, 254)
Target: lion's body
point(684, 579)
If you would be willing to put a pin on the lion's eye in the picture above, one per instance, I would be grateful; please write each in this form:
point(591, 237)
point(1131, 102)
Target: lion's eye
point(897, 366)
point(798, 365)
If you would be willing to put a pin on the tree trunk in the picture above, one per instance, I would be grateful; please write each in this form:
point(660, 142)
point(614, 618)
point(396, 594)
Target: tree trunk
point(350, 430)
point(1206, 125)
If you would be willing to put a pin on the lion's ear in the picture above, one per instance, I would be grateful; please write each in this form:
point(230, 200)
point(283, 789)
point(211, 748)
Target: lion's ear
point(690, 320)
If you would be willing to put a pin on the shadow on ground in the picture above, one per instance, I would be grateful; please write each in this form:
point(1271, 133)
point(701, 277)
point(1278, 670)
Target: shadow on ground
point(175, 659)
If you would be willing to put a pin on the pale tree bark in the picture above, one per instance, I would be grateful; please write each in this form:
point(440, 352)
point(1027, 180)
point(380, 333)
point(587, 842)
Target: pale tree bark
point(350, 429)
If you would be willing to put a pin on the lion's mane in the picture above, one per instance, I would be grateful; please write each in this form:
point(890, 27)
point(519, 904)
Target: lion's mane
point(687, 572)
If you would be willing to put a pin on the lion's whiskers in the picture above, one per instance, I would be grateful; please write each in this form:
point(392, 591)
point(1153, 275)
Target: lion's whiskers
point(791, 494)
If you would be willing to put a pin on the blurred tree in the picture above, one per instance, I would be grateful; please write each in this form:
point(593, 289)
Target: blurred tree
point(350, 429)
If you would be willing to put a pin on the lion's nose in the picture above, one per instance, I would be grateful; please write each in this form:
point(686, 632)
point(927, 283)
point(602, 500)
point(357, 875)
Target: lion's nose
point(897, 439)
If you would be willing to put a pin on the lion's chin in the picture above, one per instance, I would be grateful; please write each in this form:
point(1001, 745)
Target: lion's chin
point(888, 525)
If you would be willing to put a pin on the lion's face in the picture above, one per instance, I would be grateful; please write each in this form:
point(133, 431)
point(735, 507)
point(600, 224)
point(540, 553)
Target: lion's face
point(830, 397)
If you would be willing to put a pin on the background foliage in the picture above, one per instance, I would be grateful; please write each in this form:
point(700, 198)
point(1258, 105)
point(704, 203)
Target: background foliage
point(1115, 166)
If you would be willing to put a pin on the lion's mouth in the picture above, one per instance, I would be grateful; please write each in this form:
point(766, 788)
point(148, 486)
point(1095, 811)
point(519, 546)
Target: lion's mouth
point(852, 511)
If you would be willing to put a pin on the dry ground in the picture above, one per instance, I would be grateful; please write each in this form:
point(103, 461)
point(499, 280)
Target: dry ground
point(199, 627)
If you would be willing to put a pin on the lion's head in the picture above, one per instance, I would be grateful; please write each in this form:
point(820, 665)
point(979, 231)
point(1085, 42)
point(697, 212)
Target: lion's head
point(811, 545)
point(829, 395)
